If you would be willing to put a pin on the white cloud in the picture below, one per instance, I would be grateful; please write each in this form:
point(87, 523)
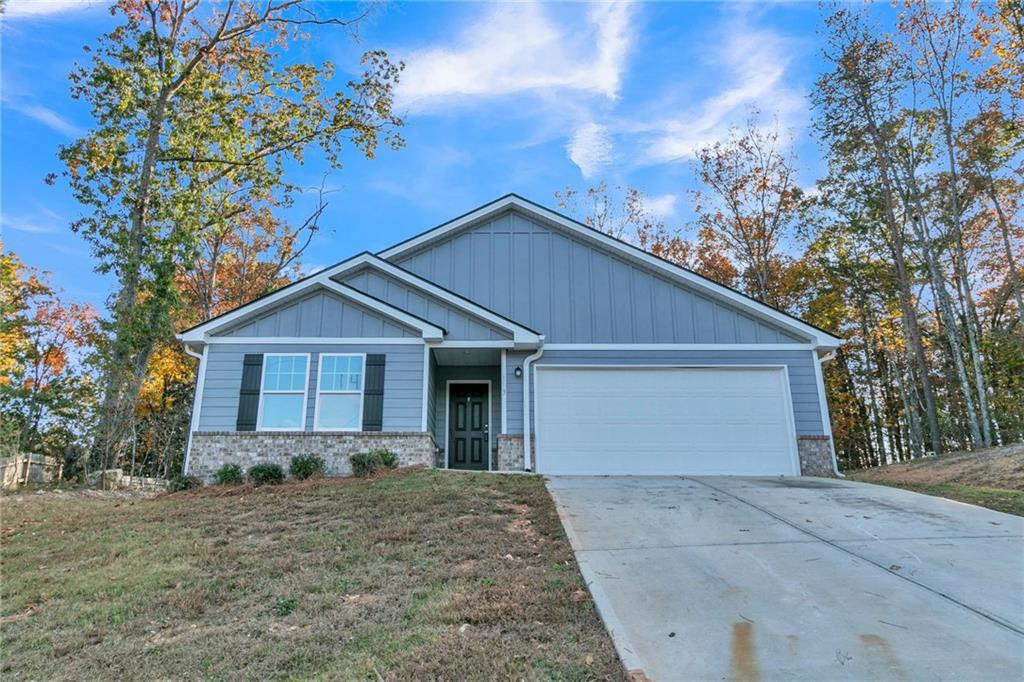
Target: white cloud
point(48, 117)
point(520, 48)
point(590, 148)
point(27, 224)
point(40, 8)
point(752, 64)
point(661, 206)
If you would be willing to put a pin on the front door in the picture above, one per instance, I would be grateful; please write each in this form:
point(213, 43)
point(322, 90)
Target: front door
point(468, 437)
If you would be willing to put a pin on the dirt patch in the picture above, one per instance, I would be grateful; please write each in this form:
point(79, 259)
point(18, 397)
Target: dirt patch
point(1001, 467)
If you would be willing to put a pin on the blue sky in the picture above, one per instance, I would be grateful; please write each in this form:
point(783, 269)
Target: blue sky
point(496, 98)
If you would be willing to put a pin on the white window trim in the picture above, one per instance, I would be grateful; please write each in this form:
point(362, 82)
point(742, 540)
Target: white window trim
point(320, 391)
point(305, 392)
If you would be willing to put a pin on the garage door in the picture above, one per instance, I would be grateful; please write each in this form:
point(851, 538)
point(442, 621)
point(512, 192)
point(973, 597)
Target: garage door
point(664, 421)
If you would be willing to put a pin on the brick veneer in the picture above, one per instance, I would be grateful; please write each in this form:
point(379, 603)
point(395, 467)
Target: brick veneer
point(213, 449)
point(815, 456)
point(510, 452)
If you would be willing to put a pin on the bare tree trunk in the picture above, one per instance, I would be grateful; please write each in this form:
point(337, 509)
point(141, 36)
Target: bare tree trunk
point(1004, 229)
point(915, 348)
point(952, 332)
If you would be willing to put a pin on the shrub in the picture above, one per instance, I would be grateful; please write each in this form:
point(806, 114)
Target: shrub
point(365, 463)
point(305, 466)
point(262, 474)
point(181, 482)
point(387, 458)
point(229, 474)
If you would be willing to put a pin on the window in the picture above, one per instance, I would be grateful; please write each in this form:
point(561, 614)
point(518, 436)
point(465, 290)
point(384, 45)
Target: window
point(339, 402)
point(283, 393)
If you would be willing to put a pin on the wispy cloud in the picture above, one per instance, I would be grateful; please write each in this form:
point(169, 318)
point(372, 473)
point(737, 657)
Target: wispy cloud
point(29, 224)
point(753, 65)
point(48, 117)
point(590, 148)
point(42, 8)
point(520, 48)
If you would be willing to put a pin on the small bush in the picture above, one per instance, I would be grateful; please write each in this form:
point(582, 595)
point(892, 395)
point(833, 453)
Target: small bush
point(181, 482)
point(263, 474)
point(387, 458)
point(305, 466)
point(229, 474)
point(365, 463)
point(285, 605)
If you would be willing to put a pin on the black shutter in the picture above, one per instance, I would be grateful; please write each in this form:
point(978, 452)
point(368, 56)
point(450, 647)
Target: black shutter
point(249, 393)
point(373, 394)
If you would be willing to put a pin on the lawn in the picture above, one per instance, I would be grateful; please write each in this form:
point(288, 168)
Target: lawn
point(992, 478)
point(415, 575)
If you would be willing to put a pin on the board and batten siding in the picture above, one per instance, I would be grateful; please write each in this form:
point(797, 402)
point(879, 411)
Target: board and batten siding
point(321, 313)
point(403, 381)
point(803, 382)
point(575, 291)
point(459, 325)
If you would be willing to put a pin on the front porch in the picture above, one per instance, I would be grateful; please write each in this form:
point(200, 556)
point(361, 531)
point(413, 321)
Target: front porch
point(467, 409)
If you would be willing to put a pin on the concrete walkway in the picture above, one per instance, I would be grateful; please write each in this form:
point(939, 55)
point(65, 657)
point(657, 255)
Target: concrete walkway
point(798, 579)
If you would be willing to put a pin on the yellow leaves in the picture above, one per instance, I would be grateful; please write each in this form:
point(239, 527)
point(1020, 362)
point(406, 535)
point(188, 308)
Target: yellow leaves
point(167, 366)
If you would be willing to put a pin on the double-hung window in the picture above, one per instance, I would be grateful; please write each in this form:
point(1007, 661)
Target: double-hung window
point(339, 401)
point(283, 392)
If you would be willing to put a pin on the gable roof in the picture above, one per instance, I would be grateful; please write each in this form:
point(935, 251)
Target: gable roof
point(521, 335)
point(751, 306)
point(321, 280)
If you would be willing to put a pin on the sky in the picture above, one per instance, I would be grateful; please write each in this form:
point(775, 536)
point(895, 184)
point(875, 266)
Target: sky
point(496, 98)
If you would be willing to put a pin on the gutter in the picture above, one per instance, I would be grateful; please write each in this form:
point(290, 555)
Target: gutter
point(527, 433)
point(197, 400)
point(826, 419)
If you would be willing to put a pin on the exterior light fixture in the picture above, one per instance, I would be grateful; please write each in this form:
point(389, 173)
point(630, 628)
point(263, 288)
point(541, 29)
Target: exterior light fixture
point(518, 372)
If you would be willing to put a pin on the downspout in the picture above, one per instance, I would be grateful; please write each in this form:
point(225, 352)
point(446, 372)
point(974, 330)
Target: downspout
point(826, 419)
point(527, 434)
point(197, 401)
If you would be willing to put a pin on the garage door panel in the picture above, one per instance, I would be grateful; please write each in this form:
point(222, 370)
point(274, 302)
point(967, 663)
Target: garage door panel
point(664, 421)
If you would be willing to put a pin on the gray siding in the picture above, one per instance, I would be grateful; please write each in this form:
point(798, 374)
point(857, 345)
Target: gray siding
point(575, 291)
point(459, 325)
point(445, 374)
point(403, 382)
point(802, 380)
point(321, 313)
point(514, 392)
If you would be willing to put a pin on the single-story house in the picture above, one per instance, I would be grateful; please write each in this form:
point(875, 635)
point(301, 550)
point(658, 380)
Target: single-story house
point(513, 338)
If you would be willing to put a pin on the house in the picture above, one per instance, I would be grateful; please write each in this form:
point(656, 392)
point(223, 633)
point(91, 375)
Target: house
point(513, 338)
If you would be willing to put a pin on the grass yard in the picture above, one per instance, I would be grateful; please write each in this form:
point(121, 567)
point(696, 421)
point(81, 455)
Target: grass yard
point(415, 575)
point(992, 478)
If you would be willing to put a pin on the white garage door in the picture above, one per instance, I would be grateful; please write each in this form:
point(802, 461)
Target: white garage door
point(664, 421)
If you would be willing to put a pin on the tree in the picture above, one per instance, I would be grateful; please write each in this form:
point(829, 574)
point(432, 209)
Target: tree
point(43, 389)
point(858, 104)
point(197, 115)
point(750, 203)
point(938, 44)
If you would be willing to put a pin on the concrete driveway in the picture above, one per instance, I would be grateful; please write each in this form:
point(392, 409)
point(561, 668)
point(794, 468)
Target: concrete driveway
point(798, 578)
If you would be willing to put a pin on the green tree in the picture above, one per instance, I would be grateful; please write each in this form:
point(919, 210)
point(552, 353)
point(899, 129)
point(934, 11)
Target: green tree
point(198, 112)
point(43, 387)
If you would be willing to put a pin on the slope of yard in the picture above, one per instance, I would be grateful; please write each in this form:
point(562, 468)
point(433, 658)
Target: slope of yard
point(416, 575)
point(992, 478)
